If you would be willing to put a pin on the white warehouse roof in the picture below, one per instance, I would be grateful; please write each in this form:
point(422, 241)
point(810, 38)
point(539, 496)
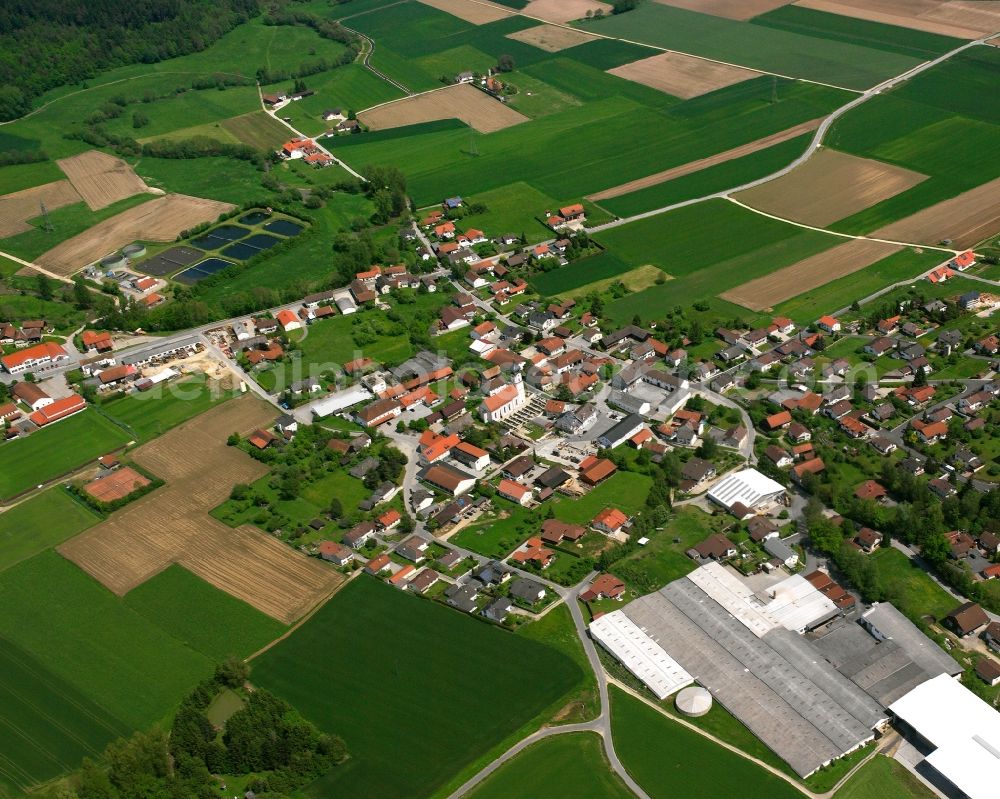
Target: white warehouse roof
point(964, 730)
point(639, 653)
point(748, 486)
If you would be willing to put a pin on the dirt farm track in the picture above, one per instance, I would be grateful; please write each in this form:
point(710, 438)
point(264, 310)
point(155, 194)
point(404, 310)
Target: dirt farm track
point(172, 525)
point(161, 219)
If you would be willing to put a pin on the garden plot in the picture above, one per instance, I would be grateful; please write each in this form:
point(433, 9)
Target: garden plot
point(172, 525)
point(101, 179)
point(682, 75)
point(810, 273)
point(965, 20)
point(563, 10)
point(474, 12)
point(731, 9)
point(162, 219)
point(20, 206)
point(828, 187)
point(551, 38)
point(965, 220)
point(473, 107)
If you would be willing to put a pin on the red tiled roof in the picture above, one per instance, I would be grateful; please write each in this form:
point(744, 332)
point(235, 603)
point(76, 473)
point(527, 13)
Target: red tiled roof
point(59, 409)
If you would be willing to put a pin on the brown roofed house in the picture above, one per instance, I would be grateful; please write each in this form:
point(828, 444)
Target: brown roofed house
point(967, 619)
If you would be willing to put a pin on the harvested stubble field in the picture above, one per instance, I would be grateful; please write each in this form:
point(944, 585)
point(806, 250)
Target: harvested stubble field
point(101, 179)
point(830, 186)
point(731, 9)
point(705, 163)
point(161, 219)
point(966, 219)
point(682, 75)
point(476, 13)
point(463, 102)
point(966, 20)
point(551, 38)
point(17, 208)
point(172, 525)
point(563, 10)
point(807, 274)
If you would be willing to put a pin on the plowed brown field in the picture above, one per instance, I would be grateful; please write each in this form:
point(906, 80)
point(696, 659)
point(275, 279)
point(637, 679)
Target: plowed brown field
point(20, 206)
point(172, 525)
point(551, 38)
point(562, 10)
point(682, 75)
point(161, 219)
point(101, 179)
point(829, 186)
point(476, 13)
point(966, 219)
point(462, 101)
point(965, 20)
point(817, 270)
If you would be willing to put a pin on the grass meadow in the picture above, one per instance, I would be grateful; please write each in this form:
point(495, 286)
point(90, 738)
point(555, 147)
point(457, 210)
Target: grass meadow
point(41, 522)
point(152, 413)
point(53, 451)
point(668, 760)
point(567, 765)
point(883, 778)
point(439, 689)
point(580, 273)
point(784, 52)
point(201, 616)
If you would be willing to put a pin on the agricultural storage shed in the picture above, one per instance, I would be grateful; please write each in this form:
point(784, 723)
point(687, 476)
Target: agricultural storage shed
point(749, 487)
point(964, 732)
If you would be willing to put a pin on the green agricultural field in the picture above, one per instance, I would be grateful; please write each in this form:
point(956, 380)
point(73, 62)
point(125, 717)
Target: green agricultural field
point(50, 726)
point(201, 616)
point(587, 82)
point(17, 307)
point(707, 248)
point(88, 637)
point(579, 274)
point(180, 111)
point(402, 650)
point(568, 765)
point(578, 151)
point(39, 523)
point(840, 293)
point(536, 98)
point(56, 450)
point(23, 176)
point(883, 778)
point(710, 180)
point(65, 222)
point(258, 129)
point(668, 760)
point(151, 413)
point(853, 30)
point(213, 130)
point(792, 54)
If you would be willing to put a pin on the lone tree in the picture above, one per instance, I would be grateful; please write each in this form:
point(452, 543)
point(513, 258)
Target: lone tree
point(505, 63)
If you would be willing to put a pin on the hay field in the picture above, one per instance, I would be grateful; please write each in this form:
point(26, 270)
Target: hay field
point(705, 163)
point(161, 219)
point(172, 525)
point(730, 9)
point(462, 101)
point(562, 10)
point(966, 219)
point(551, 38)
point(101, 179)
point(257, 129)
point(682, 75)
point(476, 13)
point(830, 186)
point(810, 273)
point(20, 206)
point(965, 20)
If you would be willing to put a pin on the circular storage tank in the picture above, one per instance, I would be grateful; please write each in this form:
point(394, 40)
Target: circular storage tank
point(114, 261)
point(133, 251)
point(694, 701)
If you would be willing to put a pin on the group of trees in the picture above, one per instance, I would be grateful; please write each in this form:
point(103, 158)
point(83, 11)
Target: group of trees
point(77, 39)
point(386, 187)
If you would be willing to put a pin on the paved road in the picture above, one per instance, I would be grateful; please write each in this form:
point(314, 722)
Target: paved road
point(813, 147)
